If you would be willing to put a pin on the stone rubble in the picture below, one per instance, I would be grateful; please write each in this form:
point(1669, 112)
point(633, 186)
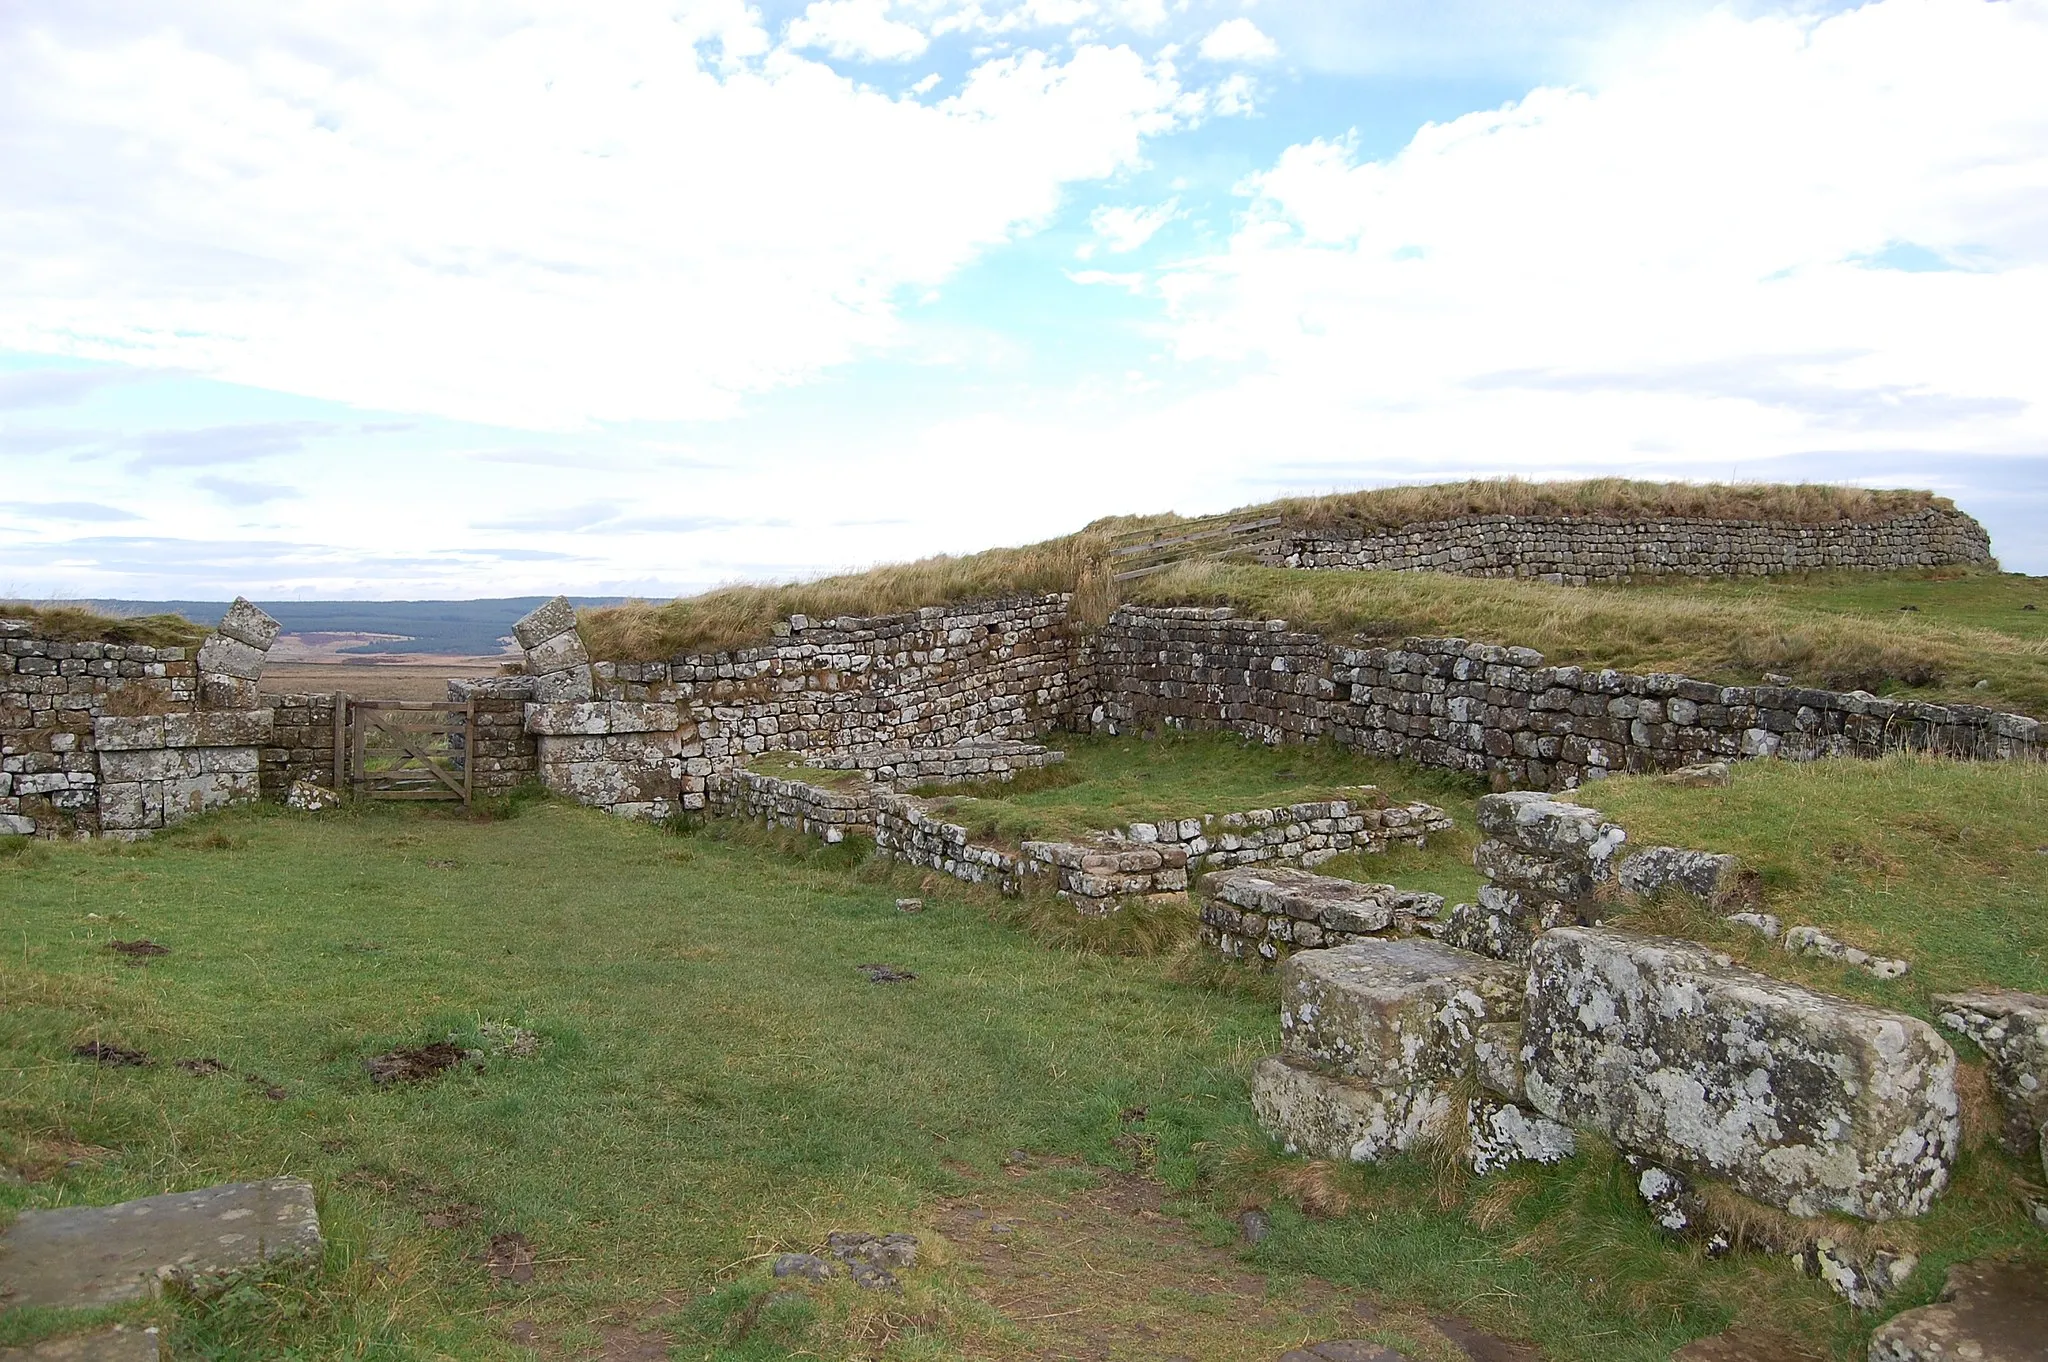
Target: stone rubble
point(2011, 1028)
point(1271, 911)
point(1988, 1311)
point(1812, 941)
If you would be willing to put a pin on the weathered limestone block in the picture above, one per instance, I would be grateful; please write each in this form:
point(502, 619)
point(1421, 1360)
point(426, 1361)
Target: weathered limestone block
point(1505, 864)
point(224, 656)
point(1989, 1311)
point(247, 623)
point(563, 652)
point(1497, 1059)
point(570, 685)
point(1550, 827)
point(1803, 1101)
point(1499, 1133)
point(91, 1256)
point(2012, 1030)
point(1343, 905)
point(602, 717)
point(1396, 1013)
point(545, 622)
point(1331, 1116)
point(1709, 877)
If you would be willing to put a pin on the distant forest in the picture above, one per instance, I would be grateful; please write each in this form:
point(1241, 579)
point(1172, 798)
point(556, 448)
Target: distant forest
point(474, 628)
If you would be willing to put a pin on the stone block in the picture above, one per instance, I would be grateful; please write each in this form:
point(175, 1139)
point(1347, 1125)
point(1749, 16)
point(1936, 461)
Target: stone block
point(224, 656)
point(564, 652)
point(1988, 1311)
point(116, 734)
point(1400, 1012)
point(1709, 877)
point(1341, 905)
point(2012, 1030)
point(1549, 827)
point(251, 727)
point(1498, 1134)
point(556, 687)
point(1803, 1101)
point(246, 623)
point(545, 622)
point(16, 825)
point(92, 1256)
point(1330, 1116)
point(229, 692)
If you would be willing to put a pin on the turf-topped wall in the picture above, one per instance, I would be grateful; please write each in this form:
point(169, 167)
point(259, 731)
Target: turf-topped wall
point(1496, 711)
point(1582, 549)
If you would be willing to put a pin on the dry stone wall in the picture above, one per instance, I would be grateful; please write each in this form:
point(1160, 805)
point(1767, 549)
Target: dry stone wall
point(1493, 710)
point(1577, 550)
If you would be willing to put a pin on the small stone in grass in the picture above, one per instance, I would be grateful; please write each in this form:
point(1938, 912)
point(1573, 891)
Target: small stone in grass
point(910, 905)
point(809, 1266)
point(1255, 1224)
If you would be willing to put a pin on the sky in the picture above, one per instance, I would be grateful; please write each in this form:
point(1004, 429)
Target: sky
point(383, 299)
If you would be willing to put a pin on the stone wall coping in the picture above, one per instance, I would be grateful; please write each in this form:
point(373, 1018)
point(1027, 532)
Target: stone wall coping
point(205, 728)
point(592, 717)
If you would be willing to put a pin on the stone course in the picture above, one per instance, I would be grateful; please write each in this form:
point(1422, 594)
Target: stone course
point(1495, 711)
point(1578, 550)
point(1307, 833)
point(2012, 1030)
point(156, 770)
point(1273, 911)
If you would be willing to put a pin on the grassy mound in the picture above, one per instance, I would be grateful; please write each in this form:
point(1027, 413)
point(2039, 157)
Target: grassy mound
point(83, 624)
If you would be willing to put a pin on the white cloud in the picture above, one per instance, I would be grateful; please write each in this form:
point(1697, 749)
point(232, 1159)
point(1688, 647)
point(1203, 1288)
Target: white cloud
point(1238, 40)
point(535, 214)
point(1671, 268)
point(1123, 229)
point(858, 30)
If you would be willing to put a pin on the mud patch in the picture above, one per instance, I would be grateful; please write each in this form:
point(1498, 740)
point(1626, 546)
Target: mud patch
point(266, 1087)
point(885, 974)
point(112, 1055)
point(138, 949)
point(509, 1258)
point(205, 1067)
point(415, 1064)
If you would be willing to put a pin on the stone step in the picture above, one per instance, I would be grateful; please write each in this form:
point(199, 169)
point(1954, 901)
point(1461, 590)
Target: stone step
point(89, 1256)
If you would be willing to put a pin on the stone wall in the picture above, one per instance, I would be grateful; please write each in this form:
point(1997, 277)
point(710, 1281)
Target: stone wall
point(1273, 911)
point(932, 678)
point(301, 743)
point(1577, 550)
point(1496, 711)
point(633, 759)
point(159, 769)
point(51, 691)
point(1307, 834)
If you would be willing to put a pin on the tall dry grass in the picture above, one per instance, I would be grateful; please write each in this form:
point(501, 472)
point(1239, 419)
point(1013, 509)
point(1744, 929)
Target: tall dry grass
point(1384, 508)
point(84, 624)
point(734, 616)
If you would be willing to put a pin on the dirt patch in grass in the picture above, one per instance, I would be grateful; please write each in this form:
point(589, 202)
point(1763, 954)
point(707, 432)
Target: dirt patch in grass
point(114, 1056)
point(204, 1067)
point(1106, 1272)
point(413, 1064)
point(137, 948)
point(509, 1258)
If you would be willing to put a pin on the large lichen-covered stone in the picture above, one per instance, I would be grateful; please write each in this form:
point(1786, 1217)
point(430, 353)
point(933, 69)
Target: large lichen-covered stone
point(1325, 1115)
point(1988, 1312)
point(1396, 1013)
point(1707, 876)
point(230, 657)
point(246, 622)
point(1342, 905)
point(2012, 1029)
point(89, 1256)
point(1550, 827)
point(537, 626)
point(1803, 1101)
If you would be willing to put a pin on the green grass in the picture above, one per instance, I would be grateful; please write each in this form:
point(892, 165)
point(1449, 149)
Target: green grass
point(1941, 863)
point(1826, 632)
point(718, 1082)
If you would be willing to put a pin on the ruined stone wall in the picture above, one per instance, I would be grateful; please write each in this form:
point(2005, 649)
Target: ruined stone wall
point(1496, 711)
point(938, 677)
point(301, 743)
point(50, 693)
point(1577, 550)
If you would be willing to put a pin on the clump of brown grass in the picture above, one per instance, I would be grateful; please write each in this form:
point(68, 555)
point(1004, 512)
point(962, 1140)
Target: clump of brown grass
point(734, 616)
point(84, 624)
point(1384, 508)
point(1136, 929)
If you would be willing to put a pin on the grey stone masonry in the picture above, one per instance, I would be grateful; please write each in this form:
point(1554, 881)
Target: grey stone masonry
point(1272, 911)
point(555, 657)
point(970, 762)
point(633, 760)
point(156, 770)
point(51, 690)
point(2012, 1029)
point(1308, 833)
point(231, 660)
point(1803, 1101)
point(1548, 863)
point(1495, 711)
point(1578, 550)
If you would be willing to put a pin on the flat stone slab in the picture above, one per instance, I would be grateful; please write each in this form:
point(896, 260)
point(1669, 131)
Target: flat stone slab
point(1328, 1116)
point(1396, 1013)
point(1806, 1102)
point(1344, 905)
point(89, 1256)
point(1988, 1312)
point(112, 1345)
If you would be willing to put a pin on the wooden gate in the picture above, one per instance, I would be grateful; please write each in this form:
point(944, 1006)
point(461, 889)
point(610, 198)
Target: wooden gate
point(409, 749)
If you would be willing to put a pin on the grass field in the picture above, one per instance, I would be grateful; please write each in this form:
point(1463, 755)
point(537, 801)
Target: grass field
point(716, 1080)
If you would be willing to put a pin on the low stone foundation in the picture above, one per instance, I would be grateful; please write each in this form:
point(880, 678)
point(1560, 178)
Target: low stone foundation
point(157, 770)
point(1271, 912)
point(1307, 834)
point(992, 759)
